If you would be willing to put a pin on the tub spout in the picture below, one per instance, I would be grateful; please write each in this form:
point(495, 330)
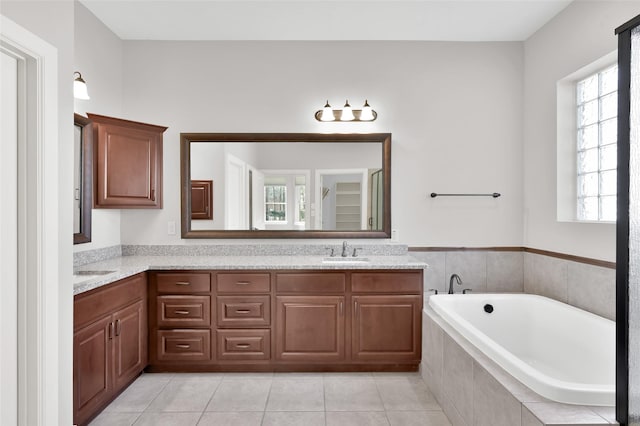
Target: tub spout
point(457, 279)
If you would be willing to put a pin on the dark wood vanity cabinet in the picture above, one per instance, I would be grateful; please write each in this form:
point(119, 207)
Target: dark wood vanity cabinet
point(386, 319)
point(285, 320)
point(127, 163)
point(180, 318)
point(109, 344)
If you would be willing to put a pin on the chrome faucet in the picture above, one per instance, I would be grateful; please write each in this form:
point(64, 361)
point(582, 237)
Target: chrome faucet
point(458, 280)
point(344, 249)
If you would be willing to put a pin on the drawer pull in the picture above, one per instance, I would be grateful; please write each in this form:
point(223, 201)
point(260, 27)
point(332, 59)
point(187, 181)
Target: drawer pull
point(243, 282)
point(242, 345)
point(183, 283)
point(181, 312)
point(242, 311)
point(183, 346)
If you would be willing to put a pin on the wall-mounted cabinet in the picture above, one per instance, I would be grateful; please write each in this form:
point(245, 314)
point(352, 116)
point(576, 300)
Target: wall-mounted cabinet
point(202, 199)
point(127, 163)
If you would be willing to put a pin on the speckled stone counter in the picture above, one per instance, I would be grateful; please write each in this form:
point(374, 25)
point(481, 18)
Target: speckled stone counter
point(126, 266)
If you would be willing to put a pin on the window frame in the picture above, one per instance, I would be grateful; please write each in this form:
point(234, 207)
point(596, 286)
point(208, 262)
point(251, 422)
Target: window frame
point(566, 140)
point(599, 146)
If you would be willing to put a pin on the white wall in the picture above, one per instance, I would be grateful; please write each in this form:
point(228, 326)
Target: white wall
point(98, 56)
point(454, 109)
point(579, 35)
point(38, 18)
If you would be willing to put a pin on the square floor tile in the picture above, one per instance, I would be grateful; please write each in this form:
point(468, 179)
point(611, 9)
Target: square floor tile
point(296, 395)
point(284, 418)
point(138, 396)
point(168, 419)
point(417, 418)
point(406, 394)
point(115, 419)
point(185, 395)
point(247, 418)
point(240, 395)
point(350, 418)
point(352, 395)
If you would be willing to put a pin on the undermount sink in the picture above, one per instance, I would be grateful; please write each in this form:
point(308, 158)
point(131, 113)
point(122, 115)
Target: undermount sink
point(346, 260)
point(80, 276)
point(92, 272)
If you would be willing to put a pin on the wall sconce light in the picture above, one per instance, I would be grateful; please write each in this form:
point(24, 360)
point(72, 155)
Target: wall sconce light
point(80, 87)
point(346, 113)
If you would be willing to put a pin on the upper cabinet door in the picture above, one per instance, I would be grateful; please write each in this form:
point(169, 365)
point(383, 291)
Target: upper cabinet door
point(128, 163)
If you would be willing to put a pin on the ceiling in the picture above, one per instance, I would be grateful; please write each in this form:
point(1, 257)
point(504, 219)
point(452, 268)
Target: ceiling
point(450, 20)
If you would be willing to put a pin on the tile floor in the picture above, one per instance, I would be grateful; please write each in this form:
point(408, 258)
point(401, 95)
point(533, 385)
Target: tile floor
point(247, 399)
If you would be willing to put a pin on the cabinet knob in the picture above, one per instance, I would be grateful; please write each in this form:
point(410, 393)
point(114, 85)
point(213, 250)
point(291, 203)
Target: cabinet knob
point(242, 311)
point(242, 345)
point(183, 346)
point(181, 312)
point(118, 327)
point(183, 283)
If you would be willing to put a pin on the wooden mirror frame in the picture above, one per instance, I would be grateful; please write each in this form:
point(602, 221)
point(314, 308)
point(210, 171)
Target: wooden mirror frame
point(86, 185)
point(384, 139)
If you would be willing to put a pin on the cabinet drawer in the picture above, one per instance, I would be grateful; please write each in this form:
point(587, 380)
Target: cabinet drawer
point(244, 344)
point(183, 283)
point(244, 311)
point(327, 282)
point(386, 282)
point(184, 311)
point(184, 345)
point(244, 283)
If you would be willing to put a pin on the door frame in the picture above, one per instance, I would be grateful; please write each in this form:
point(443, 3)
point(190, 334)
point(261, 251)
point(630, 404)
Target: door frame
point(40, 381)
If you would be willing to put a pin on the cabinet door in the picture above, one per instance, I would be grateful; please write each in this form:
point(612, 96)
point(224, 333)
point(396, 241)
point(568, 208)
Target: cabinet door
point(130, 343)
point(310, 328)
point(386, 328)
point(128, 163)
point(92, 379)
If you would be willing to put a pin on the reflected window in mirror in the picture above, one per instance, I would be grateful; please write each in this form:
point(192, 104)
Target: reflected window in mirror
point(83, 179)
point(288, 185)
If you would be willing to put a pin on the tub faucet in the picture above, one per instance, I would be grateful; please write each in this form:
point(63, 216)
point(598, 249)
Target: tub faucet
point(457, 279)
point(344, 249)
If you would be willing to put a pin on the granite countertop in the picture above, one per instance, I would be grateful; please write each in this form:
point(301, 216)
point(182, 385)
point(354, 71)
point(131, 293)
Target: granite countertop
point(126, 266)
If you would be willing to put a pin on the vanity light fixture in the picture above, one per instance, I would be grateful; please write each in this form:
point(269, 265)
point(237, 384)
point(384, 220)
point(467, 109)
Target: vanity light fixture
point(347, 113)
point(80, 87)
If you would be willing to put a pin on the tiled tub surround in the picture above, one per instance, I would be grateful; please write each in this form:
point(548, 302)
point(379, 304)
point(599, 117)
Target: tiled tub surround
point(586, 286)
point(474, 390)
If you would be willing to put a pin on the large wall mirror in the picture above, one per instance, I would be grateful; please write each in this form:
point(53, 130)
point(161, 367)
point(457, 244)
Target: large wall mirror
point(82, 179)
point(285, 185)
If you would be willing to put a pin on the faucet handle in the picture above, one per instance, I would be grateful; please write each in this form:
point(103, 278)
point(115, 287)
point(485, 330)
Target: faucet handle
point(465, 290)
point(332, 251)
point(434, 290)
point(355, 251)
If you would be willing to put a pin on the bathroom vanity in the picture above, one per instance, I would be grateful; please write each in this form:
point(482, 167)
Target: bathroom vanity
point(241, 313)
point(285, 320)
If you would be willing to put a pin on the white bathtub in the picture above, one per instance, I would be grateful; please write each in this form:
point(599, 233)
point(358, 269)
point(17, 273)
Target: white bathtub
point(561, 352)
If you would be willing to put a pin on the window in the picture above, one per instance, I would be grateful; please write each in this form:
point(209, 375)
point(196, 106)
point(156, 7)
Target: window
point(596, 145)
point(300, 206)
point(275, 200)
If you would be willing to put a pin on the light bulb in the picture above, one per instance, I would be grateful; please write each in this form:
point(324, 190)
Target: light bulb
point(347, 112)
point(367, 112)
point(327, 113)
point(80, 88)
